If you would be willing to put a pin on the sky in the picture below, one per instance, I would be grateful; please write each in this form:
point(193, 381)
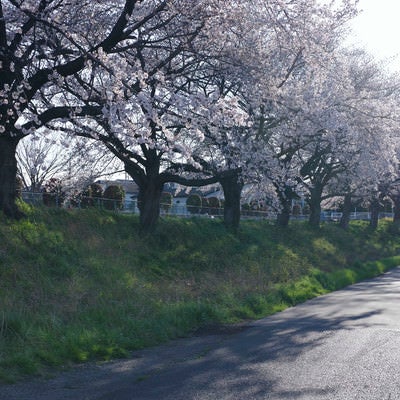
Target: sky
point(377, 28)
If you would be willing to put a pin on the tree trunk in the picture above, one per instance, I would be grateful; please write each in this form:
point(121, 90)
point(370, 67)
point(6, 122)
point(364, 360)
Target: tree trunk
point(345, 219)
point(374, 209)
point(315, 206)
point(149, 201)
point(8, 177)
point(151, 184)
point(283, 217)
point(285, 196)
point(232, 187)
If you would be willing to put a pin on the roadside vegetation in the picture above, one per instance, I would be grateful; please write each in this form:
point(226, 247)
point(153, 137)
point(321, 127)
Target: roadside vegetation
point(81, 285)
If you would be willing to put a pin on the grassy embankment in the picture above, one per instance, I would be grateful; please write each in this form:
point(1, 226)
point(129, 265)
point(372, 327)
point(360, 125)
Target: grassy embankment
point(83, 285)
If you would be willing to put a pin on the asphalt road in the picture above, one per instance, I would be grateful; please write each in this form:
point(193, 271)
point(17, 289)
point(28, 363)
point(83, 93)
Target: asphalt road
point(345, 345)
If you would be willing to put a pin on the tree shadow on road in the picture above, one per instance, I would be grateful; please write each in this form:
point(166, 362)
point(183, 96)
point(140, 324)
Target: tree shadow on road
point(250, 364)
point(273, 358)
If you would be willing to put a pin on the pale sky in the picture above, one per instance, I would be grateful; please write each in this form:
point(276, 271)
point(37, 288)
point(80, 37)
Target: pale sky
point(377, 28)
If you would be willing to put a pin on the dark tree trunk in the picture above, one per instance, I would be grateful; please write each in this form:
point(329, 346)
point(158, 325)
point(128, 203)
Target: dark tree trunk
point(149, 201)
point(345, 219)
point(8, 177)
point(283, 217)
point(285, 196)
point(232, 187)
point(374, 209)
point(150, 185)
point(315, 206)
point(315, 215)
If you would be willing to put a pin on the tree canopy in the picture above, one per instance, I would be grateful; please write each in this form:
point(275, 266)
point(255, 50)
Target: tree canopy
point(250, 92)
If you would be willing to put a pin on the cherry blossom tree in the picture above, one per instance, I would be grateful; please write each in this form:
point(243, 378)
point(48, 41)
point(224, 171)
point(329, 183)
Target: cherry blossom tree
point(262, 51)
point(375, 115)
point(178, 91)
point(42, 43)
point(142, 111)
point(343, 123)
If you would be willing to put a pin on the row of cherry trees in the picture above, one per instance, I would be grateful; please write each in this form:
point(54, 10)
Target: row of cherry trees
point(235, 92)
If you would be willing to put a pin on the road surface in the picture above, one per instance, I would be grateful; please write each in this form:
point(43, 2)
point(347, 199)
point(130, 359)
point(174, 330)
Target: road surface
point(344, 345)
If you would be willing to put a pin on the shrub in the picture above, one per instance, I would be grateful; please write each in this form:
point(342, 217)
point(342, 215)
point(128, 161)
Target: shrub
point(53, 194)
point(91, 196)
point(97, 190)
point(246, 208)
point(214, 205)
point(166, 201)
point(74, 198)
point(204, 205)
point(113, 197)
point(194, 204)
point(85, 198)
point(296, 210)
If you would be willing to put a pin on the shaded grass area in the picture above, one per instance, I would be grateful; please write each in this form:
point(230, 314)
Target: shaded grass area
point(85, 285)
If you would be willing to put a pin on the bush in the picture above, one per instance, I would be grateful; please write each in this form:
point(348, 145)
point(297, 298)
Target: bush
point(194, 204)
point(214, 205)
point(166, 201)
point(246, 208)
point(74, 198)
point(97, 190)
point(113, 197)
point(296, 210)
point(53, 194)
point(204, 205)
point(91, 196)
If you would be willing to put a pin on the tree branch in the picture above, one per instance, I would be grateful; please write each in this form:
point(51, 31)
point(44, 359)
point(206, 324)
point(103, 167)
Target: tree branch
point(61, 112)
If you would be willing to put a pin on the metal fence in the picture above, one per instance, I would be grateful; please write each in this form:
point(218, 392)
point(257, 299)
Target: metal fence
point(181, 210)
point(56, 200)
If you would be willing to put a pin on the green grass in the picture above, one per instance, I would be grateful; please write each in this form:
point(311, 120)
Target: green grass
point(85, 285)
